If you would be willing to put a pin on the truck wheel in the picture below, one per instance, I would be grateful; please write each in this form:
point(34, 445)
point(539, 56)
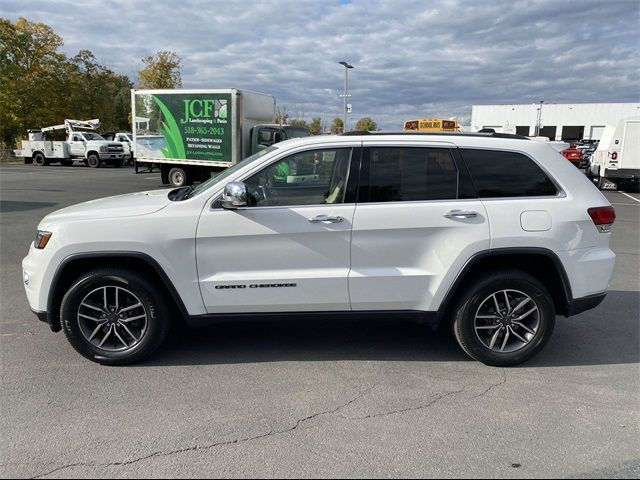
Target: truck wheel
point(93, 160)
point(178, 177)
point(504, 318)
point(114, 317)
point(66, 163)
point(40, 160)
point(601, 182)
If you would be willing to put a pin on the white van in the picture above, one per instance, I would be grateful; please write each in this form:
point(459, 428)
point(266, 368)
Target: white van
point(617, 158)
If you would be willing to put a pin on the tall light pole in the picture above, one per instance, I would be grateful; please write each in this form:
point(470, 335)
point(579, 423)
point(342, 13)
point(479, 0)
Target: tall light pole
point(346, 92)
point(539, 120)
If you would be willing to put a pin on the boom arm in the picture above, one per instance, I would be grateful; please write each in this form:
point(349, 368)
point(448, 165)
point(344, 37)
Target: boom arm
point(70, 125)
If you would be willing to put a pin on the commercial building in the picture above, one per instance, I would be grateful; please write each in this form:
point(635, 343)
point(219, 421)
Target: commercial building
point(558, 121)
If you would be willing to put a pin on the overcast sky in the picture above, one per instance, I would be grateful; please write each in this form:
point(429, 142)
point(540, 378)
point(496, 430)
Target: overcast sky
point(412, 59)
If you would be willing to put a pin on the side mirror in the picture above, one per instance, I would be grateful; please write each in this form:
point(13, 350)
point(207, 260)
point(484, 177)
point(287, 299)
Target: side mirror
point(234, 195)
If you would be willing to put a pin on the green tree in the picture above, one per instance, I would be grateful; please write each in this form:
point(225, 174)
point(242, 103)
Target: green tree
point(31, 72)
point(161, 70)
point(366, 124)
point(337, 126)
point(316, 126)
point(298, 122)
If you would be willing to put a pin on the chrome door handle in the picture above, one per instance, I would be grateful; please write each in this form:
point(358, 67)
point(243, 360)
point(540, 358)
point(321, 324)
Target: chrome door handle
point(460, 214)
point(326, 219)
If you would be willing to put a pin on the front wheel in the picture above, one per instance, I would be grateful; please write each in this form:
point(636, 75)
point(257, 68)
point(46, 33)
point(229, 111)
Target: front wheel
point(505, 318)
point(114, 317)
point(93, 160)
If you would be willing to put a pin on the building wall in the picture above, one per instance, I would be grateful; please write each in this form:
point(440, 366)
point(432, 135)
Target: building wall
point(572, 120)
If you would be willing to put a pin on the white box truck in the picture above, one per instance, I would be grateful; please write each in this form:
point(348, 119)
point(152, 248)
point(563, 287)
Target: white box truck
point(190, 134)
point(616, 161)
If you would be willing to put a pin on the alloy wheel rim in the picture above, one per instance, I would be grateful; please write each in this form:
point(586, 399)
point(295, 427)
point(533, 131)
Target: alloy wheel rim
point(507, 321)
point(112, 318)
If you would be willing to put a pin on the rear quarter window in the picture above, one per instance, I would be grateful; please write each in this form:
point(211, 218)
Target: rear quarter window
point(506, 174)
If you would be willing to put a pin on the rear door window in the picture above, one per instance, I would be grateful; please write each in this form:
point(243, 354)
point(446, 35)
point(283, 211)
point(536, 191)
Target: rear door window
point(405, 174)
point(497, 174)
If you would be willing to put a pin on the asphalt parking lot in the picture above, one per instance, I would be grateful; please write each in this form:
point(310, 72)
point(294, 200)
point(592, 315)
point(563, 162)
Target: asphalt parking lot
point(330, 399)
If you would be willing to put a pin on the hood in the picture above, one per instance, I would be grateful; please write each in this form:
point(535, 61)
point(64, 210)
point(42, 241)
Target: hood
point(128, 205)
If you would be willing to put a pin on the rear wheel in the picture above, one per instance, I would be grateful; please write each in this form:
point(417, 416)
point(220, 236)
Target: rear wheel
point(114, 317)
point(40, 160)
point(93, 160)
point(505, 318)
point(179, 177)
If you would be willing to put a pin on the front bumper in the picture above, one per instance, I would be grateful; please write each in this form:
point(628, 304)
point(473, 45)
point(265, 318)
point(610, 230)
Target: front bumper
point(111, 156)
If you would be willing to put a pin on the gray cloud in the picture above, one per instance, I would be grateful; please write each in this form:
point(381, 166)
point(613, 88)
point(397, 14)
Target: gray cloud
point(412, 58)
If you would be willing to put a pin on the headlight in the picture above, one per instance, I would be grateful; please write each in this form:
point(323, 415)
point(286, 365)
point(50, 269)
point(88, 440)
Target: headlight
point(104, 149)
point(42, 238)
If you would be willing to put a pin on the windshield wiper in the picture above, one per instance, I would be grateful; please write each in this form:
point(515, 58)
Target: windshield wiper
point(180, 193)
point(184, 194)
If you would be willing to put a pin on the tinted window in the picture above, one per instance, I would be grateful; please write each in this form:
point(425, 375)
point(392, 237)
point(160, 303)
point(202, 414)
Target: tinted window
point(506, 174)
point(398, 174)
point(309, 178)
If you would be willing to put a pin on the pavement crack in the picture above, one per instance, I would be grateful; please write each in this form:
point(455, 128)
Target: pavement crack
point(435, 399)
point(194, 448)
point(495, 385)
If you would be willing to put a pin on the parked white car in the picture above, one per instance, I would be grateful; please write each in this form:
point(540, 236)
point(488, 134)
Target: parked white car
point(490, 233)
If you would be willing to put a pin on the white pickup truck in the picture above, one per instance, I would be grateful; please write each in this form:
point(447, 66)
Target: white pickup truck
point(123, 138)
point(81, 144)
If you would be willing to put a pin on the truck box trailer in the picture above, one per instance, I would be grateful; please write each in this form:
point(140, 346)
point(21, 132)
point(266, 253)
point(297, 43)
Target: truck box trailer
point(617, 158)
point(190, 134)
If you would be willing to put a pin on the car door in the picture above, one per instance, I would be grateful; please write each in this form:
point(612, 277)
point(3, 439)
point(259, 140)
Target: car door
point(416, 224)
point(76, 145)
point(289, 249)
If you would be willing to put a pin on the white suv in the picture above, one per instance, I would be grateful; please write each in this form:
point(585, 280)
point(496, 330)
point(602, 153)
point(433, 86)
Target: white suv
point(491, 234)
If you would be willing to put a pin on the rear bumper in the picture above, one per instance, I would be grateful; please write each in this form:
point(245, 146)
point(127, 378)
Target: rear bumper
point(623, 173)
point(579, 305)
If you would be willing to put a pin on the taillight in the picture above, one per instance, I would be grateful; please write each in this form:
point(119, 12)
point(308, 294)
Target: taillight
point(614, 155)
point(603, 217)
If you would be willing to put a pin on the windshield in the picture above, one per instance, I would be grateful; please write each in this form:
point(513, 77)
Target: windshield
point(297, 132)
point(229, 171)
point(92, 136)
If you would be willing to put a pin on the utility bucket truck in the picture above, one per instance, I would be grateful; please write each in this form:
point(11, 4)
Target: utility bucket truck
point(82, 144)
point(191, 134)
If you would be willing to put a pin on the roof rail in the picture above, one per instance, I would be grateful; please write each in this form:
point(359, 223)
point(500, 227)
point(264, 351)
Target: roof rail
point(440, 134)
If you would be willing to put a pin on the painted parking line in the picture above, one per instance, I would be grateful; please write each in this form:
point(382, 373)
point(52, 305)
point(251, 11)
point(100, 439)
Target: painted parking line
point(629, 196)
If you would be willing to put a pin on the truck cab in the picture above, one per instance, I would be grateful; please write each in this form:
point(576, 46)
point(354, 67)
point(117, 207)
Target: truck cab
point(94, 149)
point(265, 135)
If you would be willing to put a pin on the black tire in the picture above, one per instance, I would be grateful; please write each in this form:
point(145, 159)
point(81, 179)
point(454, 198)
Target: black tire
point(179, 177)
point(473, 299)
point(66, 163)
point(93, 160)
point(40, 160)
point(146, 293)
